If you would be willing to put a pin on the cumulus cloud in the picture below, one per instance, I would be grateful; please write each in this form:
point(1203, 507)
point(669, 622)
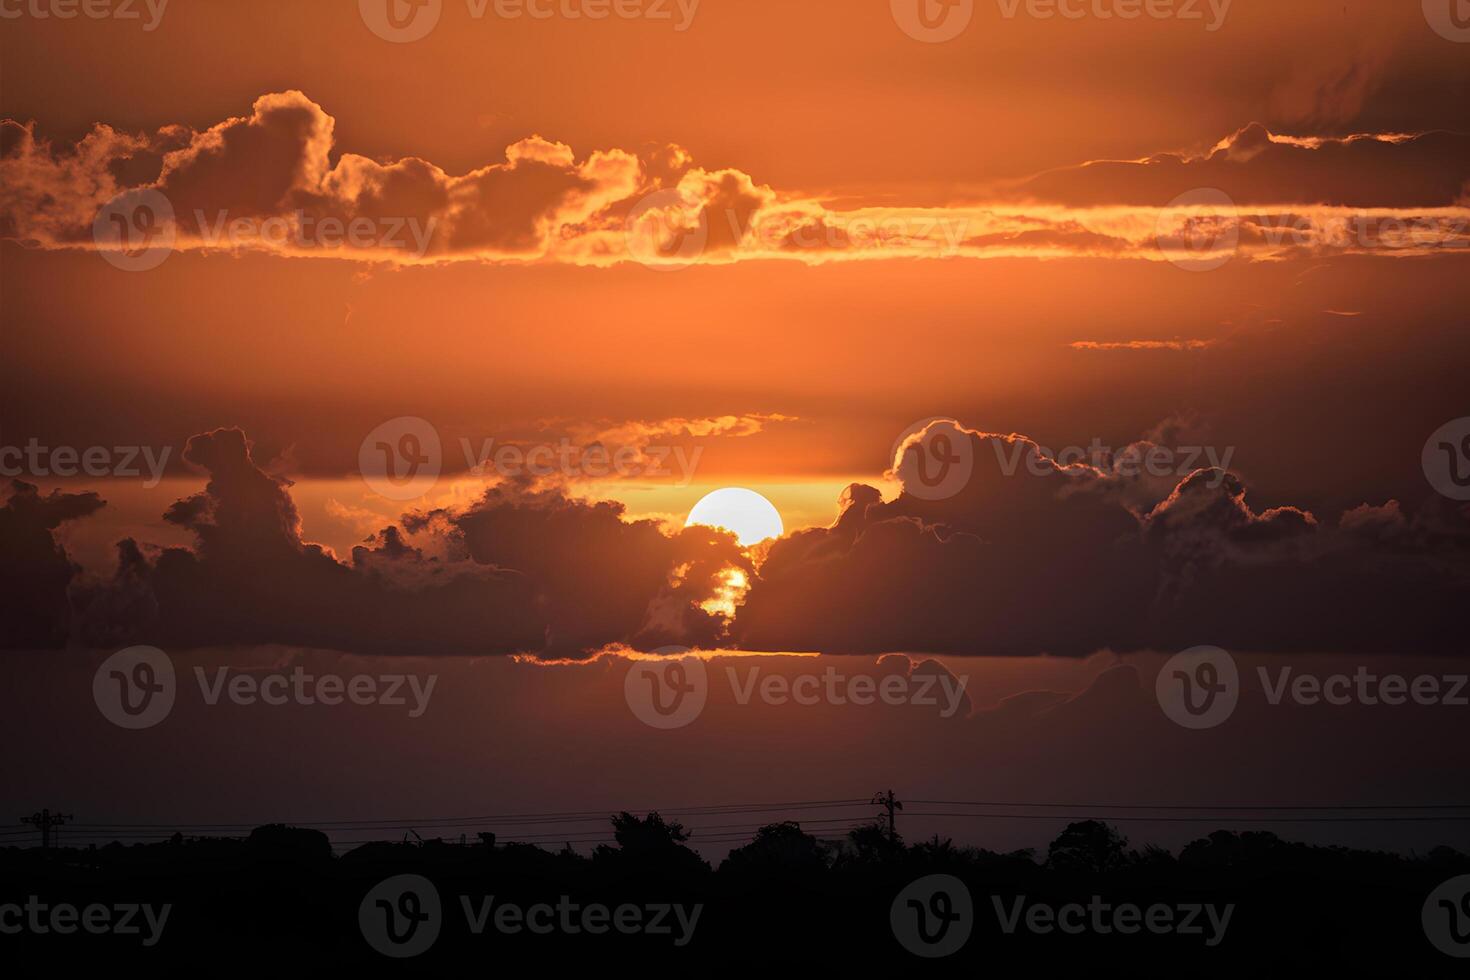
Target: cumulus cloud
point(521, 571)
point(276, 180)
point(36, 575)
point(1031, 555)
point(1025, 554)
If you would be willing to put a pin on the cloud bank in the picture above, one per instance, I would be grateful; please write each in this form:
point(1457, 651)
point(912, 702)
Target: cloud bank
point(275, 180)
point(1023, 556)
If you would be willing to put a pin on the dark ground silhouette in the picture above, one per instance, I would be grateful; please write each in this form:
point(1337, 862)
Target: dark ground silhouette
point(280, 899)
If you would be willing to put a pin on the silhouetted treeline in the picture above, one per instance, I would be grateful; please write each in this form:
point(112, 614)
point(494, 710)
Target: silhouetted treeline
point(786, 900)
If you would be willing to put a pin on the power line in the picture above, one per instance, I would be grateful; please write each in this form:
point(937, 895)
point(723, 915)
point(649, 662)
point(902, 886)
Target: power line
point(1208, 806)
point(1396, 818)
point(565, 816)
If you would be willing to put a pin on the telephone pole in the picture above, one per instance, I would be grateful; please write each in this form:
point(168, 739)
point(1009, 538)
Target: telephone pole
point(891, 803)
point(46, 820)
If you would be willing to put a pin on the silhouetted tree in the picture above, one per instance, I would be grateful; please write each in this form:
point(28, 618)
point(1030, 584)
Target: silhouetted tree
point(1090, 845)
point(650, 844)
point(781, 849)
point(871, 844)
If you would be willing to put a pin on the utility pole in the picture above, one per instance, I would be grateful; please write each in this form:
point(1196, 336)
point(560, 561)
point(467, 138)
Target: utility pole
point(46, 820)
point(891, 803)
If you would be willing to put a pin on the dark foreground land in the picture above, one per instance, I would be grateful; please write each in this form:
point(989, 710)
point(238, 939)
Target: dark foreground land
point(1228, 904)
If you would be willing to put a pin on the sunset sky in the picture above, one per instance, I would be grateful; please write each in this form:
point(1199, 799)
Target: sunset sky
point(820, 251)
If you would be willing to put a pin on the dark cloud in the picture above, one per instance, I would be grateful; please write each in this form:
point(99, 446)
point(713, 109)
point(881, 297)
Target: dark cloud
point(1253, 167)
point(34, 610)
point(521, 571)
point(276, 165)
point(1027, 555)
point(1031, 556)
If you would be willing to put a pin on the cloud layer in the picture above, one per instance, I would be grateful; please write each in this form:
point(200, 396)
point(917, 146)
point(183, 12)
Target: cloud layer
point(1020, 555)
point(275, 180)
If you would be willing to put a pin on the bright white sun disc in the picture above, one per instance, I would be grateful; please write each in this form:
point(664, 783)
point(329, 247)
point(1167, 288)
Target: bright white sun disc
point(745, 513)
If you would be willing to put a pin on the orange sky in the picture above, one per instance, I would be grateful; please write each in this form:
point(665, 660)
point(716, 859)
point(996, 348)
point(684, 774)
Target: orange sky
point(987, 229)
point(1245, 233)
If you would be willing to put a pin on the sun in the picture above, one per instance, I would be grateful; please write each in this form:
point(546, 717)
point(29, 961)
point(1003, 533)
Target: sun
point(751, 517)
